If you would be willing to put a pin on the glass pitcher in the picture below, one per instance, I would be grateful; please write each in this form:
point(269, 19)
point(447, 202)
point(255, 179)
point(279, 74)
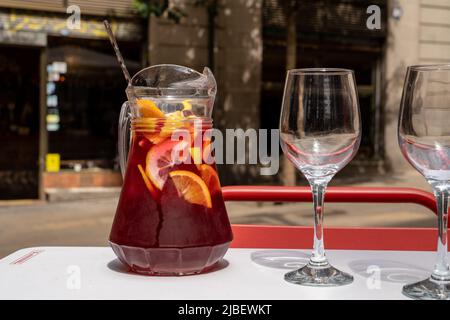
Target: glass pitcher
point(171, 217)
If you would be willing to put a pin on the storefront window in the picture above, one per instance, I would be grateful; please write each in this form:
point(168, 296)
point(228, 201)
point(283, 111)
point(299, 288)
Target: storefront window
point(85, 90)
point(19, 122)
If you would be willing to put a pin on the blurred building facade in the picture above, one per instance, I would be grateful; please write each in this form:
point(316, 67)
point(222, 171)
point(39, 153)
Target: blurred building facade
point(420, 36)
point(62, 87)
point(250, 55)
point(61, 93)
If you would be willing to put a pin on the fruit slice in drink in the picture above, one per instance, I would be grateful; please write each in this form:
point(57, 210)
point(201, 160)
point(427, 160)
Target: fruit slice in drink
point(149, 109)
point(210, 177)
point(161, 158)
point(191, 187)
point(148, 184)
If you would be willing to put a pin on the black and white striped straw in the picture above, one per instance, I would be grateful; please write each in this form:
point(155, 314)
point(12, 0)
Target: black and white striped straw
point(117, 51)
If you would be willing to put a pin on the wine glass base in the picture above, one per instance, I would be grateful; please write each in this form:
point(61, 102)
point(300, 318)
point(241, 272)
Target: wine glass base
point(428, 289)
point(324, 276)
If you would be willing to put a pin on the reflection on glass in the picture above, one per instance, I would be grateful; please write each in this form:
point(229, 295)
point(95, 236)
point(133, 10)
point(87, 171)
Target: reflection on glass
point(320, 133)
point(424, 138)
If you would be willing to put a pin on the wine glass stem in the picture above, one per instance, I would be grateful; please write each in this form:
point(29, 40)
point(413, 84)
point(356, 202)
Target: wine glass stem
point(441, 270)
point(318, 257)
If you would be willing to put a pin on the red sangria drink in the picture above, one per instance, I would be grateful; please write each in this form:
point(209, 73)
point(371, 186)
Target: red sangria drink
point(171, 218)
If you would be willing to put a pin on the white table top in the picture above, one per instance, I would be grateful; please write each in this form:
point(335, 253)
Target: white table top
point(95, 273)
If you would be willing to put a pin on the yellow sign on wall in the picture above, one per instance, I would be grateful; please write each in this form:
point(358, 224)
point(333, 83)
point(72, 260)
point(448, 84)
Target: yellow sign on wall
point(60, 24)
point(52, 162)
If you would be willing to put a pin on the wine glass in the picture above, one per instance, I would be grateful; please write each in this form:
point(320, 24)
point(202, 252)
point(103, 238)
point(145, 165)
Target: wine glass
point(320, 130)
point(424, 138)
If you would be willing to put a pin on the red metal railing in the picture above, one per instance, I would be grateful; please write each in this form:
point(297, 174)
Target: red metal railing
point(333, 194)
point(289, 237)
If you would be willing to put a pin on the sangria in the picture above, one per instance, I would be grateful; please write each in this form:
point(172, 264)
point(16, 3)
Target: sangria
point(171, 218)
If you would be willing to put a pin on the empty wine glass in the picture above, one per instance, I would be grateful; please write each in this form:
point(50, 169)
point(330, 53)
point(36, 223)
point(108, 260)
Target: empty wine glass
point(320, 131)
point(424, 138)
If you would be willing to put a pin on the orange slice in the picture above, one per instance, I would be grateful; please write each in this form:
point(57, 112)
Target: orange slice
point(210, 177)
point(149, 109)
point(147, 182)
point(159, 161)
point(191, 187)
point(154, 138)
point(174, 121)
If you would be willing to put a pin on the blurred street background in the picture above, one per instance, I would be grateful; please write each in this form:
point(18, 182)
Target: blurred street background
point(86, 221)
point(61, 90)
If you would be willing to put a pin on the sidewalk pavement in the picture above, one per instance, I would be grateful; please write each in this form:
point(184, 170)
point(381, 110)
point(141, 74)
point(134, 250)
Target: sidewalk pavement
point(87, 222)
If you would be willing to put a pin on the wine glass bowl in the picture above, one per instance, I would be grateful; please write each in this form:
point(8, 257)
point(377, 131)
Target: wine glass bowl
point(319, 123)
point(424, 139)
point(320, 131)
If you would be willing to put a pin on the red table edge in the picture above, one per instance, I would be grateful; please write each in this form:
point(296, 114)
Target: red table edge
point(290, 237)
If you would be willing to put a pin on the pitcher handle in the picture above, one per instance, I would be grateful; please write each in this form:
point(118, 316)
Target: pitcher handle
point(124, 136)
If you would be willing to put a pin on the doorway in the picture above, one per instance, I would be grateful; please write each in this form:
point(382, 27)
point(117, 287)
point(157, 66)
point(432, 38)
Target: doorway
point(19, 122)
